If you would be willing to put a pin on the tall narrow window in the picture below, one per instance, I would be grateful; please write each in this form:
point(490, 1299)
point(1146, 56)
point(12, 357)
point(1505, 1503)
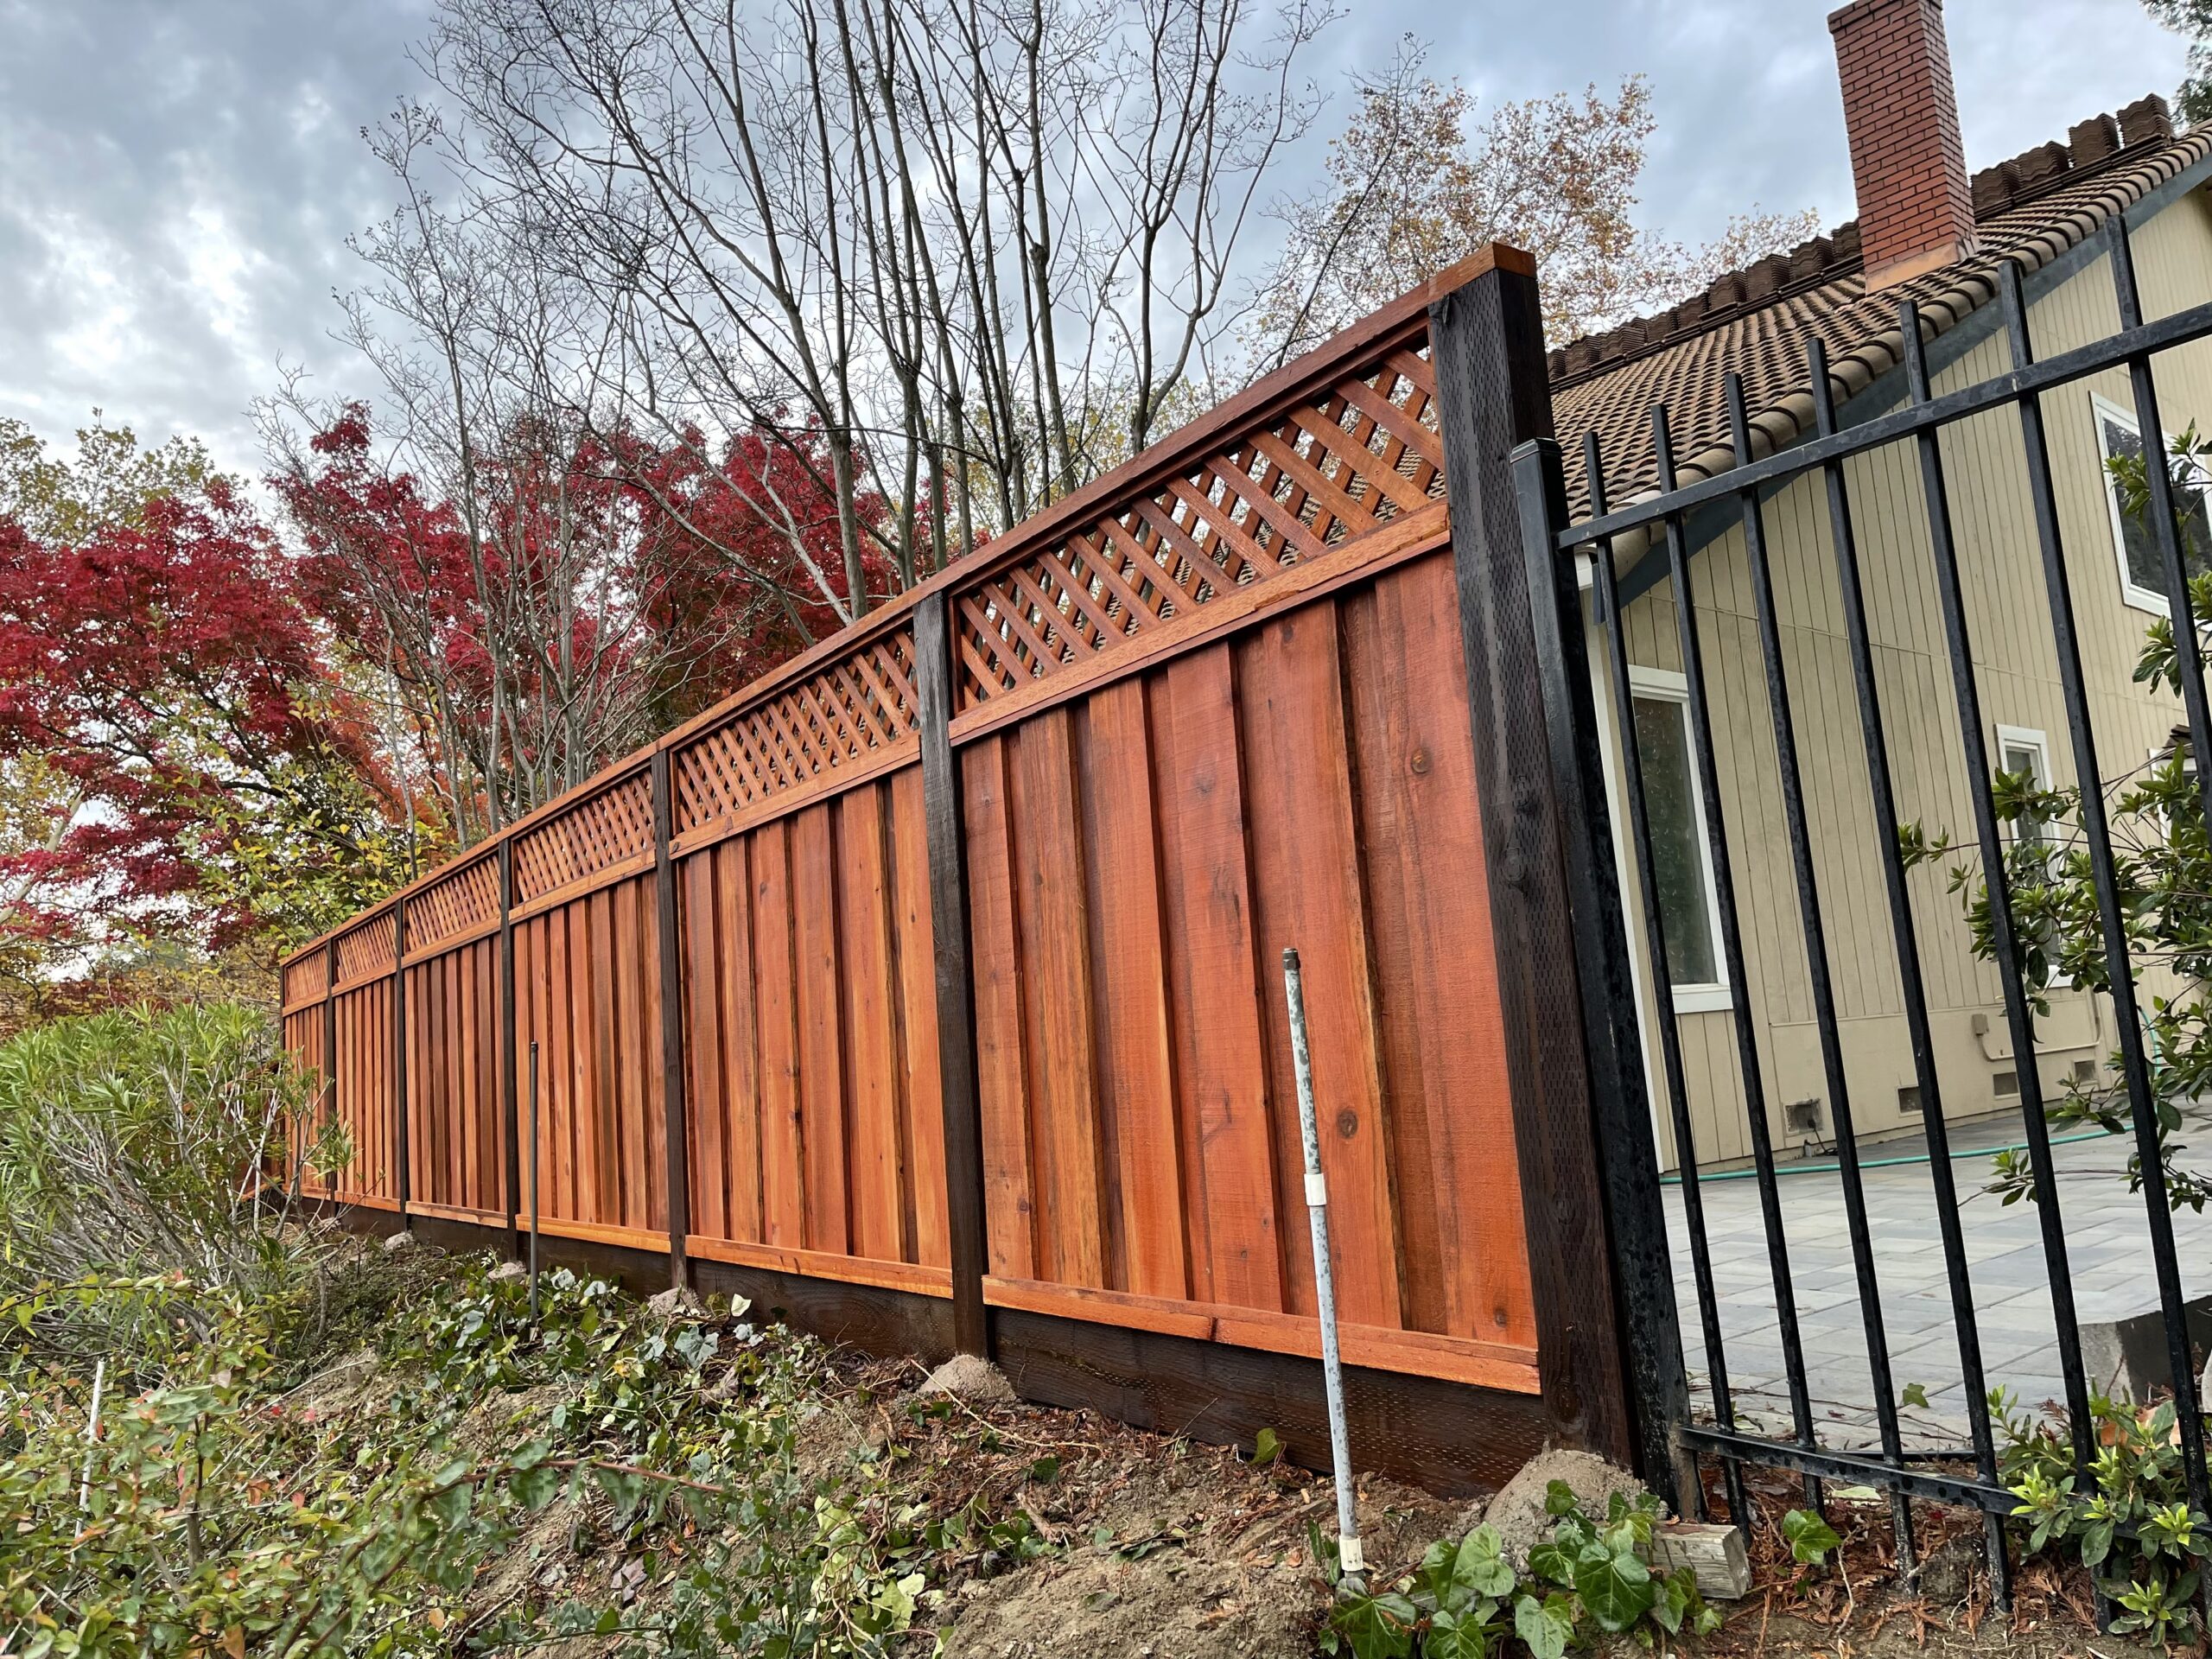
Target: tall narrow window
point(2023, 751)
point(2142, 568)
point(1681, 864)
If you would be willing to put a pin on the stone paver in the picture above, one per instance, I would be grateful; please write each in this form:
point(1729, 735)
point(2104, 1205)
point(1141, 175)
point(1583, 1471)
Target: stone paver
point(2107, 1245)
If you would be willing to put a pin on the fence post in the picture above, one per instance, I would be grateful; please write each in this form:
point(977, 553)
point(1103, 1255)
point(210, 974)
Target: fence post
point(956, 1010)
point(671, 1024)
point(1570, 1085)
point(1627, 1145)
point(510, 1175)
point(402, 1134)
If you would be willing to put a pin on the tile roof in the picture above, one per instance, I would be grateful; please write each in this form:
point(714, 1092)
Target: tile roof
point(2032, 208)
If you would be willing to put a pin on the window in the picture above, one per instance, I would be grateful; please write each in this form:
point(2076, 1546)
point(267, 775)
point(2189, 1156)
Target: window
point(1682, 866)
point(2020, 750)
point(2142, 568)
point(2023, 750)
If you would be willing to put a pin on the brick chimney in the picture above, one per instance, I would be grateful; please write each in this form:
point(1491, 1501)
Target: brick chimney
point(1915, 207)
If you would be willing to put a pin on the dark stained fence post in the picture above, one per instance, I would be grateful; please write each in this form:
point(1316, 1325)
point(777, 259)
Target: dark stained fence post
point(329, 1113)
point(672, 1023)
point(1493, 394)
point(1627, 1147)
point(400, 1134)
point(511, 1172)
point(956, 1010)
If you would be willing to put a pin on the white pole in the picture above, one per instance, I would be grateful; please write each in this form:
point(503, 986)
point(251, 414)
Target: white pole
point(92, 1435)
point(1350, 1556)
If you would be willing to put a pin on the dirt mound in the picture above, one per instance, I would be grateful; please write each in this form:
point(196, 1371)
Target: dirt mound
point(1172, 1551)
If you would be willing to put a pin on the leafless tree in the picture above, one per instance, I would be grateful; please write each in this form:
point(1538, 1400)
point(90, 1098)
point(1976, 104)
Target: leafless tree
point(978, 248)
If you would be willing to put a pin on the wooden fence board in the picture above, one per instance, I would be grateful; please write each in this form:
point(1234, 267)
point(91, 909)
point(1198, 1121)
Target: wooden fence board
point(1136, 1072)
point(920, 1094)
point(821, 1058)
point(1214, 985)
point(1307, 860)
point(1003, 1088)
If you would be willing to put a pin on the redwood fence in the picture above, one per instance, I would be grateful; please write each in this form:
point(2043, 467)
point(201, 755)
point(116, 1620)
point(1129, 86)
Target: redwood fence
point(931, 985)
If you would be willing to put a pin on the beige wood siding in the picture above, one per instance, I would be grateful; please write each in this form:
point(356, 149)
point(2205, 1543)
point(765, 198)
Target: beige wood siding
point(2010, 629)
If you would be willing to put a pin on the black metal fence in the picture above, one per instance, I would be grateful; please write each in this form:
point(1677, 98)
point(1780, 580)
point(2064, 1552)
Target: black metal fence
point(1967, 1475)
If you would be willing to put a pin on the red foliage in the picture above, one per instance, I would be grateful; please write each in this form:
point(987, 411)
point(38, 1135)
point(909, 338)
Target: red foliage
point(159, 666)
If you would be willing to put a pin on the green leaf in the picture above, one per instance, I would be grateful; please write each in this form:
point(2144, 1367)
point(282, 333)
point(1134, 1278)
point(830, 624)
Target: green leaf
point(623, 1489)
point(1546, 1626)
point(1552, 1561)
point(1456, 1636)
point(1480, 1566)
point(1915, 1394)
point(1559, 1499)
point(536, 1486)
point(1267, 1446)
point(1615, 1587)
point(1044, 1470)
point(1378, 1627)
point(1809, 1537)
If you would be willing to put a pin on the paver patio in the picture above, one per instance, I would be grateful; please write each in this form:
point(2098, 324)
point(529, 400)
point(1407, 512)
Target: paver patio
point(2108, 1246)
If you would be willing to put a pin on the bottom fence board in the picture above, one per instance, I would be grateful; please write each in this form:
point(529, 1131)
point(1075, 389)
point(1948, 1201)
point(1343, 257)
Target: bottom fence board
point(1451, 1438)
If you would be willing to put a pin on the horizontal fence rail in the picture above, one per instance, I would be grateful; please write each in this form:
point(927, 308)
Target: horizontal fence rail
point(936, 963)
point(1963, 1475)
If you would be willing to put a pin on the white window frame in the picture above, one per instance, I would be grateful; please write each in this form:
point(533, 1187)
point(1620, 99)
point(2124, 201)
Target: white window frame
point(2037, 743)
point(1665, 685)
point(2102, 409)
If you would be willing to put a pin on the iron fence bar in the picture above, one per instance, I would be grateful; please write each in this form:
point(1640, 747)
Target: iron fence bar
point(1951, 599)
point(1993, 1501)
point(1824, 989)
point(1783, 465)
point(1874, 737)
point(1605, 588)
point(2058, 588)
point(1732, 948)
point(2189, 663)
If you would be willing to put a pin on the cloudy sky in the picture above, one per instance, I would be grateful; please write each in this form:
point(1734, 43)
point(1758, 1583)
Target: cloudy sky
point(177, 177)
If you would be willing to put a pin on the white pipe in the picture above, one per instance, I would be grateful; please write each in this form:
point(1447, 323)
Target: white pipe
point(92, 1435)
point(1350, 1557)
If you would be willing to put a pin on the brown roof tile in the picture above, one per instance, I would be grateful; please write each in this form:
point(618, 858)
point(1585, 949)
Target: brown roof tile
point(2031, 208)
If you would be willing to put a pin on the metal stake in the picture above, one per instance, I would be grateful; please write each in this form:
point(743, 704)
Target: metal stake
point(1350, 1556)
point(533, 1181)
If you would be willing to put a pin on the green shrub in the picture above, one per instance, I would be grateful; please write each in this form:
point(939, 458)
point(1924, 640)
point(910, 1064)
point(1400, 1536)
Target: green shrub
point(1466, 1602)
point(137, 1145)
point(2134, 1530)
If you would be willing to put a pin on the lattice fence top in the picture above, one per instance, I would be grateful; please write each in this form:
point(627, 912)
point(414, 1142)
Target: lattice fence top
point(1297, 483)
point(452, 904)
point(366, 949)
point(307, 977)
point(852, 709)
point(603, 829)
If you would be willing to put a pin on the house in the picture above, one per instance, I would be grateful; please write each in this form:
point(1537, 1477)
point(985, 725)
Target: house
point(1929, 231)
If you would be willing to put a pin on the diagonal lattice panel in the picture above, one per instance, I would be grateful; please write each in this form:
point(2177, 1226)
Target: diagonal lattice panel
point(454, 903)
point(1341, 461)
point(614, 824)
point(850, 710)
point(366, 949)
